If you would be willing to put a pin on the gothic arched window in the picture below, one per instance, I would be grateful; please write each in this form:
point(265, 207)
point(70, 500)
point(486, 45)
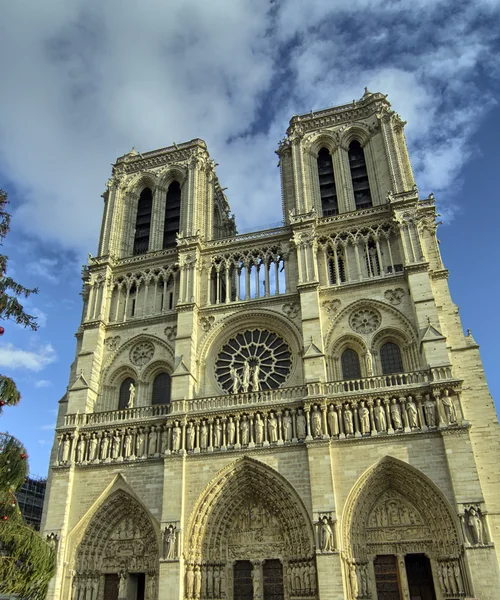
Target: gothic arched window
point(359, 176)
point(143, 221)
point(332, 271)
point(350, 364)
point(390, 358)
point(162, 386)
point(327, 189)
point(172, 215)
point(124, 396)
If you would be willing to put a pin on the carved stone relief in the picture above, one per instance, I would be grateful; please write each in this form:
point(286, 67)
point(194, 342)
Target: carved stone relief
point(170, 333)
point(141, 354)
point(365, 320)
point(394, 296)
point(291, 309)
point(112, 343)
point(206, 323)
point(332, 306)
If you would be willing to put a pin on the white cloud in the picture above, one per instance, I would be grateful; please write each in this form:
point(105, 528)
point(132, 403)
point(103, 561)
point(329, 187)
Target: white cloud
point(45, 268)
point(90, 81)
point(49, 427)
point(41, 317)
point(16, 358)
point(43, 383)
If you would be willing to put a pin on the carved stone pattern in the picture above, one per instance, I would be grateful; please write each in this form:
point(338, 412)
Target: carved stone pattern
point(331, 306)
point(365, 320)
point(112, 343)
point(291, 309)
point(394, 296)
point(142, 353)
point(170, 333)
point(207, 322)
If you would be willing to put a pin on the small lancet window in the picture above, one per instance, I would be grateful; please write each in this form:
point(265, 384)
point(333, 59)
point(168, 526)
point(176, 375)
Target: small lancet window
point(143, 222)
point(359, 176)
point(162, 386)
point(372, 260)
point(350, 364)
point(336, 272)
point(390, 358)
point(172, 215)
point(328, 191)
point(124, 395)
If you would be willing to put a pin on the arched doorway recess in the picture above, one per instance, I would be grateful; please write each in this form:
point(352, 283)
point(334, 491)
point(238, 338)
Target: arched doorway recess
point(397, 526)
point(118, 554)
point(249, 536)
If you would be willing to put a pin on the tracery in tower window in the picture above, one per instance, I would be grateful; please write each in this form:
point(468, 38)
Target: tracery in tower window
point(143, 221)
point(162, 385)
point(253, 360)
point(359, 176)
point(351, 368)
point(172, 215)
point(328, 190)
point(336, 265)
point(390, 358)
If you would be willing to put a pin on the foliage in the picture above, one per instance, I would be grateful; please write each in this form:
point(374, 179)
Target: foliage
point(27, 562)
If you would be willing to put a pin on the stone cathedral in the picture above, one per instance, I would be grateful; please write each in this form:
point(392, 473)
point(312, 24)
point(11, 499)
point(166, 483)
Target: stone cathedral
point(288, 414)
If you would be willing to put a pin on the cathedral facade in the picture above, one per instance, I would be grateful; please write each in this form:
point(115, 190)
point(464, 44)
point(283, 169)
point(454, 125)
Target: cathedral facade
point(293, 413)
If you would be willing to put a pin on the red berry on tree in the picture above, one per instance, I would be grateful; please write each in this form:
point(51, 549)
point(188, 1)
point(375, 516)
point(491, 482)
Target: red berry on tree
point(2, 330)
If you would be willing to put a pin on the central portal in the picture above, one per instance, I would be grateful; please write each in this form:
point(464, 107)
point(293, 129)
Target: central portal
point(254, 580)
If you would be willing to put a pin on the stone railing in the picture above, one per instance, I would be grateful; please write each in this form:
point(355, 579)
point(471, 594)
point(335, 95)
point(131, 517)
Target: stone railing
point(369, 384)
point(112, 416)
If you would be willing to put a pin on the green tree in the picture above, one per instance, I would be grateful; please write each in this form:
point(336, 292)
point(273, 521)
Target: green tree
point(27, 562)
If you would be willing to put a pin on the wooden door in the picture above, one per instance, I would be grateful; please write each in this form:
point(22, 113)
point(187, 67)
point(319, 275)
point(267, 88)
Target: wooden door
point(111, 585)
point(273, 580)
point(419, 574)
point(243, 584)
point(387, 577)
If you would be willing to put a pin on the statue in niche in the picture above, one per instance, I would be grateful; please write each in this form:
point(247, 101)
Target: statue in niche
point(204, 435)
point(95, 588)
point(364, 418)
point(246, 376)
point(354, 581)
point(287, 426)
point(80, 449)
point(333, 420)
point(272, 426)
point(327, 543)
point(450, 412)
point(316, 422)
point(197, 581)
point(348, 421)
point(430, 411)
point(122, 589)
point(163, 440)
point(244, 430)
point(363, 579)
point(236, 380)
point(259, 429)
point(189, 581)
point(104, 445)
point(190, 435)
point(451, 579)
point(256, 582)
point(217, 432)
point(66, 448)
point(475, 525)
point(93, 447)
point(379, 415)
point(127, 443)
point(369, 362)
point(255, 378)
point(458, 578)
point(396, 415)
point(176, 437)
point(153, 441)
point(231, 431)
point(301, 424)
point(141, 443)
point(411, 411)
point(169, 542)
point(216, 580)
point(131, 397)
point(115, 449)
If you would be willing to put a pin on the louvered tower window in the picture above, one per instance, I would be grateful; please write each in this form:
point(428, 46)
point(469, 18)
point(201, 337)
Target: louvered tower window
point(350, 364)
point(390, 357)
point(328, 191)
point(359, 175)
point(124, 393)
point(162, 386)
point(143, 222)
point(172, 215)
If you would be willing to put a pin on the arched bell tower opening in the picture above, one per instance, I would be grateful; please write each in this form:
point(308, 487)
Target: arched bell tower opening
point(117, 557)
point(249, 533)
point(400, 537)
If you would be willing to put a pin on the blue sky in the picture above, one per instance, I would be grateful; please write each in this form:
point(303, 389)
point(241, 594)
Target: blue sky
point(83, 81)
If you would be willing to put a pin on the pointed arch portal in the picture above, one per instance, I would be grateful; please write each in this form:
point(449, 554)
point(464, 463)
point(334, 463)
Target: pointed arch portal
point(249, 532)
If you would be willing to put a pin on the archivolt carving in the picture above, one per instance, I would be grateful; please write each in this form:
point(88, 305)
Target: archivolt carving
point(250, 511)
point(381, 512)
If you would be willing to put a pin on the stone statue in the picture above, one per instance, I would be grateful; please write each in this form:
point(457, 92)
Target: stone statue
point(396, 415)
point(153, 441)
point(458, 578)
point(122, 590)
point(451, 579)
point(255, 378)
point(246, 376)
point(80, 449)
point(231, 431)
point(316, 422)
point(363, 577)
point(189, 581)
point(197, 581)
point(301, 424)
point(450, 412)
point(379, 415)
point(127, 444)
point(176, 437)
point(244, 430)
point(66, 448)
point(354, 581)
point(411, 411)
point(93, 447)
point(369, 362)
point(190, 435)
point(141, 443)
point(348, 422)
point(333, 420)
point(204, 435)
point(115, 450)
point(475, 525)
point(236, 380)
point(256, 583)
point(259, 429)
point(163, 440)
point(272, 426)
point(430, 411)
point(217, 433)
point(104, 445)
point(169, 542)
point(131, 397)
point(364, 418)
point(287, 426)
point(326, 536)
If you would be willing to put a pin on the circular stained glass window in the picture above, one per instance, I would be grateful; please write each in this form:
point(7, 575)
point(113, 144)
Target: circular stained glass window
point(253, 360)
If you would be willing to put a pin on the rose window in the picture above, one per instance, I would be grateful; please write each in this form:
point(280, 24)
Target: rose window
point(365, 320)
point(142, 353)
point(254, 360)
